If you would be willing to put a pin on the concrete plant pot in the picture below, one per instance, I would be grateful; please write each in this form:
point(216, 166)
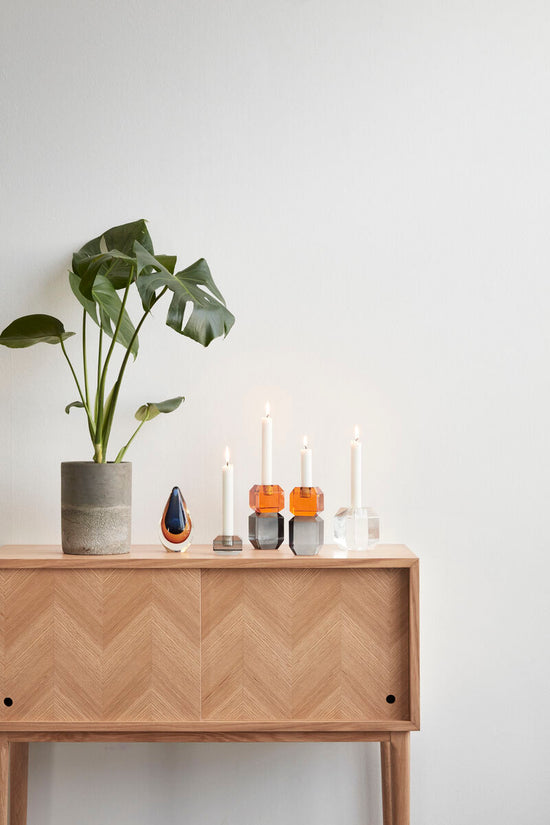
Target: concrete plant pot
point(96, 508)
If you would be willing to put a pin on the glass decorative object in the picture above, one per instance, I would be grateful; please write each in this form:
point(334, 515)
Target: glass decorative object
point(356, 528)
point(307, 501)
point(306, 530)
point(306, 535)
point(266, 498)
point(227, 544)
point(266, 531)
point(175, 524)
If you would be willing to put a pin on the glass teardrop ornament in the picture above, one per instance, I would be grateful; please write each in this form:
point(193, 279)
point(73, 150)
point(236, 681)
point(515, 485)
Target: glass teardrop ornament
point(175, 525)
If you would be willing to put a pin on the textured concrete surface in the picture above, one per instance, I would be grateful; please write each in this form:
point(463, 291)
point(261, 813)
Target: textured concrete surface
point(96, 511)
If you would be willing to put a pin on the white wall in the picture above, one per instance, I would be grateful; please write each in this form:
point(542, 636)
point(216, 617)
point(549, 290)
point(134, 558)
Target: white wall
point(369, 182)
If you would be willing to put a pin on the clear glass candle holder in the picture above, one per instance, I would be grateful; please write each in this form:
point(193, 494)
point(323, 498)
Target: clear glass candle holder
point(356, 528)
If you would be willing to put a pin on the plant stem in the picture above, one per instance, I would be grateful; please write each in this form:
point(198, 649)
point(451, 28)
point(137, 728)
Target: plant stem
point(99, 362)
point(90, 422)
point(101, 442)
point(84, 360)
point(122, 452)
point(118, 383)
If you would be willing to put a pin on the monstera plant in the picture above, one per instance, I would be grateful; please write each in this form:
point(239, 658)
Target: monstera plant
point(103, 273)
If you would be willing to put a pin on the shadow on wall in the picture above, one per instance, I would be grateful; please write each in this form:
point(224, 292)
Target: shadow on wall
point(138, 784)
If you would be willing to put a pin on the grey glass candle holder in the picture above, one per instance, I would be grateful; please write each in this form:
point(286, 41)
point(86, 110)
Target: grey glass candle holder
point(266, 531)
point(356, 528)
point(306, 535)
point(227, 544)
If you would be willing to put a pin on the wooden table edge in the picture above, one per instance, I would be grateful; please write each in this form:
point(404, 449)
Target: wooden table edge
point(203, 557)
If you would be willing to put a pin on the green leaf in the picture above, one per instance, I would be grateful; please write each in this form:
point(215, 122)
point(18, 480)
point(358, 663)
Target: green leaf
point(88, 303)
point(114, 265)
point(34, 329)
point(73, 404)
point(164, 263)
point(150, 410)
point(209, 317)
point(105, 295)
point(167, 261)
point(111, 252)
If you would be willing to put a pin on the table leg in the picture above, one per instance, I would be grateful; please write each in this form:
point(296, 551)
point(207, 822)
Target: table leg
point(19, 770)
point(4, 779)
point(385, 761)
point(400, 778)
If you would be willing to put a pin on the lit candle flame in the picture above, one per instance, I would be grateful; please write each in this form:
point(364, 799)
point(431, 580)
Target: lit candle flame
point(227, 455)
point(356, 433)
point(267, 409)
point(306, 445)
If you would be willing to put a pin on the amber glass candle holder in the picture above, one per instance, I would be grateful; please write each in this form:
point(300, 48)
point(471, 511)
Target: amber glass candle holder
point(307, 501)
point(266, 498)
point(306, 530)
point(266, 525)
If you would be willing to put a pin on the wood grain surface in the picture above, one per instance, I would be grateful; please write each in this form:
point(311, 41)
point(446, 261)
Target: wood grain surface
point(400, 778)
point(219, 649)
point(19, 770)
point(197, 647)
point(154, 556)
point(80, 645)
point(302, 645)
point(4, 779)
point(199, 736)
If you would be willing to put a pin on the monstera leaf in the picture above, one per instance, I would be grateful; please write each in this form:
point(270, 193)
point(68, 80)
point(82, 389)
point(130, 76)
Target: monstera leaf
point(111, 254)
point(105, 298)
point(150, 410)
point(34, 329)
point(209, 317)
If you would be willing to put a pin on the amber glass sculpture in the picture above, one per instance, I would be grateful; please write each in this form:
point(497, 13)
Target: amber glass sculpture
point(267, 498)
point(307, 501)
point(175, 524)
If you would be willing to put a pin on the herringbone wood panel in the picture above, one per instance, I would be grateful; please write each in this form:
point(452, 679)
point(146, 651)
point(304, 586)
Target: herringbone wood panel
point(305, 644)
point(100, 645)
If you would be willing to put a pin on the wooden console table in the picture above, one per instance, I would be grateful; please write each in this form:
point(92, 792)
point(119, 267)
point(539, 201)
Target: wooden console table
point(263, 646)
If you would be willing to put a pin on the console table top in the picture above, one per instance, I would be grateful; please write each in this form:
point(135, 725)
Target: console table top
point(202, 556)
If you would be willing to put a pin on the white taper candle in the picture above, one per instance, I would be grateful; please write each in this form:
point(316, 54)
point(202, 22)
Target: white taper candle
point(356, 470)
point(306, 464)
point(227, 496)
point(267, 447)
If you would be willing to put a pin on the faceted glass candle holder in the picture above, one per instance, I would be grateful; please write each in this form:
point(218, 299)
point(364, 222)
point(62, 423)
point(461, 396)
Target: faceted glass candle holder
point(307, 501)
point(266, 498)
point(356, 528)
point(306, 535)
point(266, 531)
point(227, 544)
